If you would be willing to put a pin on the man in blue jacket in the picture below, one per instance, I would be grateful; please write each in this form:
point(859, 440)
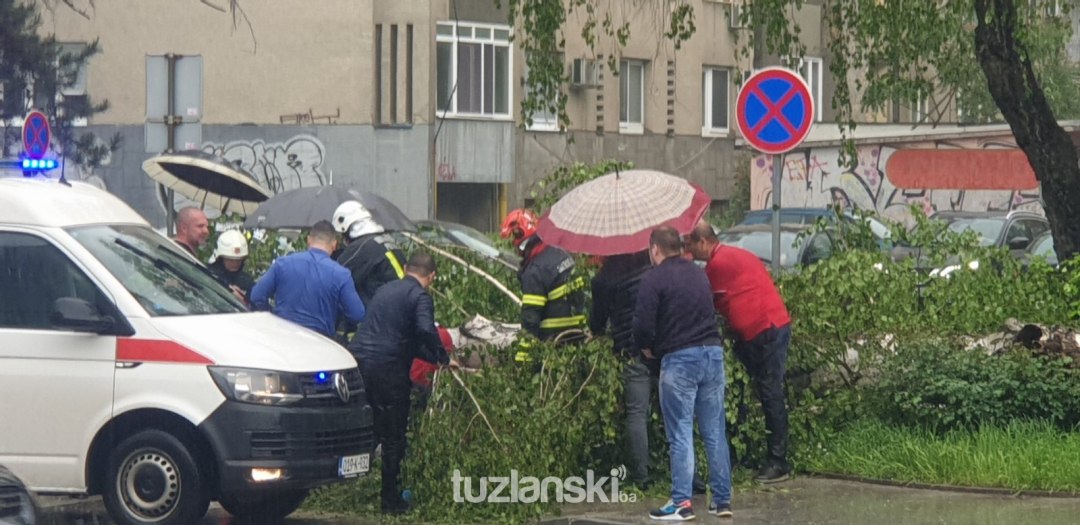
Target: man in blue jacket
point(674, 322)
point(309, 288)
point(400, 326)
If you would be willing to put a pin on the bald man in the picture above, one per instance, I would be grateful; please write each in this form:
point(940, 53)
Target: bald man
point(192, 229)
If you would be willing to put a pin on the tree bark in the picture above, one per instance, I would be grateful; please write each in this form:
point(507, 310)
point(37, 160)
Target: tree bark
point(1017, 93)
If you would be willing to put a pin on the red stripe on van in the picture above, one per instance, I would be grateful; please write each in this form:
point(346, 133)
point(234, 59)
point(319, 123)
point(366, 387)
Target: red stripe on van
point(157, 351)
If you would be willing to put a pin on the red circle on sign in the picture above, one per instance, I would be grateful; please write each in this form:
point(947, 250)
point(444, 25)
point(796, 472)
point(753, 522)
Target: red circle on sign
point(36, 134)
point(796, 88)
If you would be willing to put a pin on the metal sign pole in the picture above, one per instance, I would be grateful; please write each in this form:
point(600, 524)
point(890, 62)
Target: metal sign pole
point(778, 170)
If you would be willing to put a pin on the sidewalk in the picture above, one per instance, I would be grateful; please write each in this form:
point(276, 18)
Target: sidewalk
point(830, 502)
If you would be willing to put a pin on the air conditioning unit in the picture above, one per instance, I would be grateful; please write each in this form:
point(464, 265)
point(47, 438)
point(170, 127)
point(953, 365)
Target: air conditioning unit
point(736, 12)
point(584, 73)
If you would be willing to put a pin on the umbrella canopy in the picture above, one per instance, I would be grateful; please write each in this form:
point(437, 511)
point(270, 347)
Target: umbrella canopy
point(616, 213)
point(207, 179)
point(303, 207)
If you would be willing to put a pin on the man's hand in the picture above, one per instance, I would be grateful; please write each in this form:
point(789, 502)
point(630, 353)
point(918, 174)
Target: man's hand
point(238, 293)
point(647, 352)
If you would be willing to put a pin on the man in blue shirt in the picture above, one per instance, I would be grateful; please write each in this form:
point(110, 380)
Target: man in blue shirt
point(309, 288)
point(674, 322)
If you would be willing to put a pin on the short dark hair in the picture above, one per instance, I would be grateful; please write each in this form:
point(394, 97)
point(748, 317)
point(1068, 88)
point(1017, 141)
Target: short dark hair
point(667, 239)
point(703, 230)
point(323, 231)
point(421, 263)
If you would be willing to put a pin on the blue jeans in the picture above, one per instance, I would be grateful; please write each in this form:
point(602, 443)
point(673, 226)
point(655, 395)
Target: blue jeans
point(692, 386)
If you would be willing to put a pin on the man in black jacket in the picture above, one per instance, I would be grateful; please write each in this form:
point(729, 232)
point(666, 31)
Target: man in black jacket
point(614, 295)
point(371, 255)
point(399, 327)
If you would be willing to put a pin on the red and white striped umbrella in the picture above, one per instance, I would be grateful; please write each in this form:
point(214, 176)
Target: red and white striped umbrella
point(615, 213)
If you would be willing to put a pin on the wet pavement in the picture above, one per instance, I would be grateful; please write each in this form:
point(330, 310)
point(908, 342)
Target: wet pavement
point(803, 501)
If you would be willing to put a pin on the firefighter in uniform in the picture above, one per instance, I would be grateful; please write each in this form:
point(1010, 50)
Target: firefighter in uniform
point(371, 255)
point(552, 297)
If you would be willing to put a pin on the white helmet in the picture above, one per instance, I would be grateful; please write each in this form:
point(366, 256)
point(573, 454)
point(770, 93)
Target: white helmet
point(353, 217)
point(231, 244)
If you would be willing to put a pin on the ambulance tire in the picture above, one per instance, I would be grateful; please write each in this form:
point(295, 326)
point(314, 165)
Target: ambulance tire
point(154, 478)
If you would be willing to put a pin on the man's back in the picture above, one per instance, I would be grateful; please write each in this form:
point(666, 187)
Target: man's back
point(744, 292)
point(674, 310)
point(373, 260)
point(309, 289)
point(400, 325)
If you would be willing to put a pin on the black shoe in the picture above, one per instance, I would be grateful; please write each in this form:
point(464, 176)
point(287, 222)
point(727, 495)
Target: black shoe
point(699, 485)
point(394, 508)
point(773, 473)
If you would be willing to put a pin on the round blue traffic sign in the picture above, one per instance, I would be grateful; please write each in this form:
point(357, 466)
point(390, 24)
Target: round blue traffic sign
point(36, 135)
point(775, 110)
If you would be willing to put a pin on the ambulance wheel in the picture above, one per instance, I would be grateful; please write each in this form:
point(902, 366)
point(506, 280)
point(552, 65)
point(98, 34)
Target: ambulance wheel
point(154, 479)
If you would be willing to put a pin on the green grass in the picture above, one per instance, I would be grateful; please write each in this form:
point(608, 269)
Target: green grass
point(1022, 456)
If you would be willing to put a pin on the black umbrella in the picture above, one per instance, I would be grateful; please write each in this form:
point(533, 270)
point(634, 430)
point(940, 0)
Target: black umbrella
point(207, 179)
point(303, 207)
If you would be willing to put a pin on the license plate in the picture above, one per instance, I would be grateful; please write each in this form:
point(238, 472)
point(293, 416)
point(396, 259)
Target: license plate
point(350, 466)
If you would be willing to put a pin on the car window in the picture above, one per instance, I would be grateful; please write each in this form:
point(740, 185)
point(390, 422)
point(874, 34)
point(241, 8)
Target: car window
point(818, 247)
point(1018, 230)
point(988, 229)
point(1036, 227)
point(164, 281)
point(1044, 247)
point(33, 275)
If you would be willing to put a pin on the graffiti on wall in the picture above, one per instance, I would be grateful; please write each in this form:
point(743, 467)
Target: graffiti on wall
point(277, 166)
point(816, 178)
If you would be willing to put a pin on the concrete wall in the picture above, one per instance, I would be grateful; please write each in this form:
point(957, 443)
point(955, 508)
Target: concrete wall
point(294, 58)
point(390, 162)
point(814, 177)
point(708, 162)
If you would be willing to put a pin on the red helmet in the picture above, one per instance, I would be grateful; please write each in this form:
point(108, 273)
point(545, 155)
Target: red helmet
point(519, 225)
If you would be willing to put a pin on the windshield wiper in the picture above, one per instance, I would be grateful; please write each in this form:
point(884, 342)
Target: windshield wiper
point(158, 263)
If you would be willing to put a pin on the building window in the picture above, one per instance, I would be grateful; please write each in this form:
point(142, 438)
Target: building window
point(542, 118)
point(810, 71)
point(715, 85)
point(72, 79)
point(920, 108)
point(473, 69)
point(631, 96)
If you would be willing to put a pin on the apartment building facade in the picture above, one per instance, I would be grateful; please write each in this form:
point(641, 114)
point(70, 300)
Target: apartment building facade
point(417, 100)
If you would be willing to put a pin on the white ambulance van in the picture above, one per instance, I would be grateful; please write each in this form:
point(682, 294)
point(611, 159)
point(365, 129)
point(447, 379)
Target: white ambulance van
point(126, 370)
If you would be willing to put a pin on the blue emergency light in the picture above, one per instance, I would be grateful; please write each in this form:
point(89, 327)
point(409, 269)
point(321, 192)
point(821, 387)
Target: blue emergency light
point(38, 164)
point(321, 377)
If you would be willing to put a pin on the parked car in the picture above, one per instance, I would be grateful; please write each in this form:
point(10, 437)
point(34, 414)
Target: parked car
point(451, 233)
point(809, 216)
point(1013, 230)
point(128, 371)
point(17, 506)
point(757, 238)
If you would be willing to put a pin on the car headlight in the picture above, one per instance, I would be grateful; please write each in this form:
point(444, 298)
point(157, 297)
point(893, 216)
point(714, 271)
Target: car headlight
point(261, 387)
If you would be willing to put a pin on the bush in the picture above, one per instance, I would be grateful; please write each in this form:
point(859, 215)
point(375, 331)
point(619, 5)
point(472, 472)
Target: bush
point(555, 417)
point(939, 386)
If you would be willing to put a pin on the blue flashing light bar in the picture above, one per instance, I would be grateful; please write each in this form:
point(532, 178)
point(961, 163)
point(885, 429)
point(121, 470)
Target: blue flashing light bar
point(38, 164)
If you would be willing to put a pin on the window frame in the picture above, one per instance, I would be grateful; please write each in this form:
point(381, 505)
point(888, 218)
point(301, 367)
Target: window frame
point(807, 67)
point(708, 129)
point(629, 127)
point(455, 40)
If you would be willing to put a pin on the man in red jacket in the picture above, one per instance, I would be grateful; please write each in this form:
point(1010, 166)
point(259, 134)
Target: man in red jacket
point(744, 293)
